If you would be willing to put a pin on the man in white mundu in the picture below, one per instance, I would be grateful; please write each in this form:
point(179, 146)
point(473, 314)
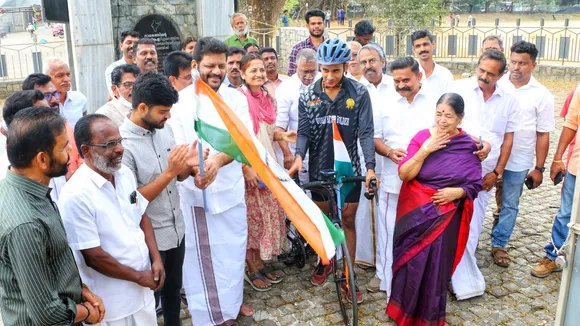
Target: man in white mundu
point(412, 110)
point(215, 247)
point(490, 112)
point(381, 90)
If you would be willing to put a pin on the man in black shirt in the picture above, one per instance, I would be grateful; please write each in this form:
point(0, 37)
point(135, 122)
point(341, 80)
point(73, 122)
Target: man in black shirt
point(335, 100)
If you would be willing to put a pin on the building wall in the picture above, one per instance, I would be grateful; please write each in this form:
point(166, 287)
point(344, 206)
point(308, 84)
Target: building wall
point(126, 14)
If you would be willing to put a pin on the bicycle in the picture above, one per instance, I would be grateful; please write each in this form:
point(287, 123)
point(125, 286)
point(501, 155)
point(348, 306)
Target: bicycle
point(331, 185)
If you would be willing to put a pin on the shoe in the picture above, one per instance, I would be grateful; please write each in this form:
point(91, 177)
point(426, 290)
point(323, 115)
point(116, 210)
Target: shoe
point(545, 268)
point(374, 285)
point(359, 296)
point(320, 274)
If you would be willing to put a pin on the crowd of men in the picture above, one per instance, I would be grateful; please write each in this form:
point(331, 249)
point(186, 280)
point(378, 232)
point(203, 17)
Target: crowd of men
point(102, 211)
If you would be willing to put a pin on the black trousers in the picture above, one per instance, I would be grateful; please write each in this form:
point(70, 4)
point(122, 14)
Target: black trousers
point(170, 294)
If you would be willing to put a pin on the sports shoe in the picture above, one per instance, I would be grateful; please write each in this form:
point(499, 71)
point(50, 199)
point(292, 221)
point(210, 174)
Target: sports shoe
point(545, 268)
point(374, 285)
point(320, 274)
point(359, 296)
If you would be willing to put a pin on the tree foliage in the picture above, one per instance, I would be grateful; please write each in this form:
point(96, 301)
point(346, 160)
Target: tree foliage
point(401, 12)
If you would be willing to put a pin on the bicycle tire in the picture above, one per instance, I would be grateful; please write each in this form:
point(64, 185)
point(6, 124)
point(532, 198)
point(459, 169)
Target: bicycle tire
point(298, 252)
point(339, 279)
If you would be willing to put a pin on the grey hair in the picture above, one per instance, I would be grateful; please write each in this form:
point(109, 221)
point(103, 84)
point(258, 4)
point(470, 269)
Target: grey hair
point(354, 43)
point(53, 63)
point(493, 38)
point(306, 55)
point(373, 47)
point(238, 14)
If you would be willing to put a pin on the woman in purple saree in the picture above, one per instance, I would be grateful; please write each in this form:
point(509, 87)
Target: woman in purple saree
point(442, 177)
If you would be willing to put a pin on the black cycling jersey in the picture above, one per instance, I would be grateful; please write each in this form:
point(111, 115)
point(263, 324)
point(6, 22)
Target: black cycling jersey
point(353, 114)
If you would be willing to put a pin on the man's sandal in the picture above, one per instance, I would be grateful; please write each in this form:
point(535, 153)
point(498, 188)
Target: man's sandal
point(278, 276)
point(500, 256)
point(250, 278)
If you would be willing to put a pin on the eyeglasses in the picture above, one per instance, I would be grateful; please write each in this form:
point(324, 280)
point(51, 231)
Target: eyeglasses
point(307, 72)
point(49, 96)
point(126, 85)
point(110, 145)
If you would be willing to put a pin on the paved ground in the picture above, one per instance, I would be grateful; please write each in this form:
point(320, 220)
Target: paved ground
point(512, 297)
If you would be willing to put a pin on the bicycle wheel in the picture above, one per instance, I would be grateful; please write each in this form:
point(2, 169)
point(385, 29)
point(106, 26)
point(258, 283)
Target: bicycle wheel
point(298, 252)
point(340, 278)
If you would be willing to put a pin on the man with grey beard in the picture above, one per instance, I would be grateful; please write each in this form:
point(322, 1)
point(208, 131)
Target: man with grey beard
point(111, 237)
point(241, 30)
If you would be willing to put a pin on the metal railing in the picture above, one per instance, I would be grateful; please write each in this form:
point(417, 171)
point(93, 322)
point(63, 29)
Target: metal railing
point(20, 60)
point(556, 44)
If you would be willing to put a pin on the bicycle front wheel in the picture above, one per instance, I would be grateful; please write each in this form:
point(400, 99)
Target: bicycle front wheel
point(345, 281)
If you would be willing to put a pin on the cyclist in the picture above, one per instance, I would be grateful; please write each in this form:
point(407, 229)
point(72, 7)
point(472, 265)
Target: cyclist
point(335, 98)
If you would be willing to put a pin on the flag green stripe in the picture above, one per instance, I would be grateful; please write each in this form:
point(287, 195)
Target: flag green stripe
point(221, 140)
point(344, 169)
point(336, 234)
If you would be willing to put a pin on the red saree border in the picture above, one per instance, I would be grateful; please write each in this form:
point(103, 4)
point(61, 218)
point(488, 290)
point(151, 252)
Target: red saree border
point(394, 311)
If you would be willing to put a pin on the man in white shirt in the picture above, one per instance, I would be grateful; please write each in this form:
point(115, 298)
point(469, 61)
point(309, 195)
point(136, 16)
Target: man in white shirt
point(106, 226)
point(215, 252)
point(126, 47)
point(492, 113)
point(492, 42)
point(118, 108)
point(410, 111)
point(436, 78)
point(537, 121)
point(287, 97)
point(381, 90)
point(73, 104)
point(177, 67)
point(355, 71)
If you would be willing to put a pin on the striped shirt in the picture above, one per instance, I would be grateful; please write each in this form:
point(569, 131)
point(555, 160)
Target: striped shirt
point(147, 155)
point(304, 44)
point(39, 279)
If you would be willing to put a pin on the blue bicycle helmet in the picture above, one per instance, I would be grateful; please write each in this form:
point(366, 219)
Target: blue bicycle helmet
point(333, 51)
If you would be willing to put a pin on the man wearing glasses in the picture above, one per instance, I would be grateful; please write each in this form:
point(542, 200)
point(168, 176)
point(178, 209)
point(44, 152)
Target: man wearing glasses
point(118, 108)
point(111, 237)
point(44, 84)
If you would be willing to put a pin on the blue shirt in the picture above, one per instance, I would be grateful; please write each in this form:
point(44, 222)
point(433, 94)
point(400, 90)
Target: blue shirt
point(74, 107)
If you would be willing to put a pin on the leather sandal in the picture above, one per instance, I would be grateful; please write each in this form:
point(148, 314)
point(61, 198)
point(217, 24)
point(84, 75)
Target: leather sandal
point(499, 255)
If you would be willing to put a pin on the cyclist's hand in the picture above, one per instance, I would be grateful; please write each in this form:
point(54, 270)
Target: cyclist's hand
point(370, 175)
point(397, 155)
point(296, 166)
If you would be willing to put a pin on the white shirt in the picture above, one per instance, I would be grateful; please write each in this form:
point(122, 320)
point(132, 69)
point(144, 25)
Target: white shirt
point(227, 190)
point(116, 110)
point(491, 119)
point(108, 74)
point(537, 115)
point(400, 122)
point(74, 107)
point(94, 214)
point(380, 96)
point(438, 82)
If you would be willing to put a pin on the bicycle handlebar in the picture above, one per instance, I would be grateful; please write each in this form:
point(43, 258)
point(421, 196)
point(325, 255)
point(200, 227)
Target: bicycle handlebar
point(331, 183)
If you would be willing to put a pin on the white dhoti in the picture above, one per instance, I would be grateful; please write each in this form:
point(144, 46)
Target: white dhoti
point(384, 233)
point(213, 268)
point(365, 224)
point(467, 281)
point(146, 317)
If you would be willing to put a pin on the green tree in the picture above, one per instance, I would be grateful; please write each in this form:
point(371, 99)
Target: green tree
point(406, 14)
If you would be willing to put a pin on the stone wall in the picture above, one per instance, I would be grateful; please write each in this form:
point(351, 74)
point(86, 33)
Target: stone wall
point(7, 87)
point(126, 14)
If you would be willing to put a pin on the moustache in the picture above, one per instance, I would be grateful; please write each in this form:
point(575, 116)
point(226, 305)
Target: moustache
point(214, 76)
point(233, 70)
point(149, 60)
point(423, 52)
point(401, 89)
point(370, 70)
point(484, 81)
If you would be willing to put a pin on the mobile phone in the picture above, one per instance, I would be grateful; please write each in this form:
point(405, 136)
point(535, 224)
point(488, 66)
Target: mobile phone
point(529, 183)
point(559, 177)
point(480, 143)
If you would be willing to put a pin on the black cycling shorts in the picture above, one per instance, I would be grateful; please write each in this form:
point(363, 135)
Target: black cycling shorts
point(352, 197)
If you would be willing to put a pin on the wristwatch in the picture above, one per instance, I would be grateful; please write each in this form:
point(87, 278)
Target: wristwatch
point(497, 174)
point(541, 169)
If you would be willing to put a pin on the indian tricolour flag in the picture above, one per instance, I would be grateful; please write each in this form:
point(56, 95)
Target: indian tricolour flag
point(342, 163)
point(220, 127)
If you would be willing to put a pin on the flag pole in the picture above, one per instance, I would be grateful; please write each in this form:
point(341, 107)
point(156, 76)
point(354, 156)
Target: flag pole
point(199, 145)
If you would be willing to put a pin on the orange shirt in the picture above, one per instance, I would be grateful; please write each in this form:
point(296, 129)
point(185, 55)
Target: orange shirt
point(571, 122)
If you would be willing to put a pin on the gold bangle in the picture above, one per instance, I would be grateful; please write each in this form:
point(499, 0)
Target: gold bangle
point(425, 149)
point(557, 161)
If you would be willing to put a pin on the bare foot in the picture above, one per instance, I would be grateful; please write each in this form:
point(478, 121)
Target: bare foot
point(246, 310)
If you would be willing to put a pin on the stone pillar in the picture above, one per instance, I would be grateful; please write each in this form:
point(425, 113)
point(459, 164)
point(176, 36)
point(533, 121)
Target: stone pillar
point(213, 18)
point(92, 40)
